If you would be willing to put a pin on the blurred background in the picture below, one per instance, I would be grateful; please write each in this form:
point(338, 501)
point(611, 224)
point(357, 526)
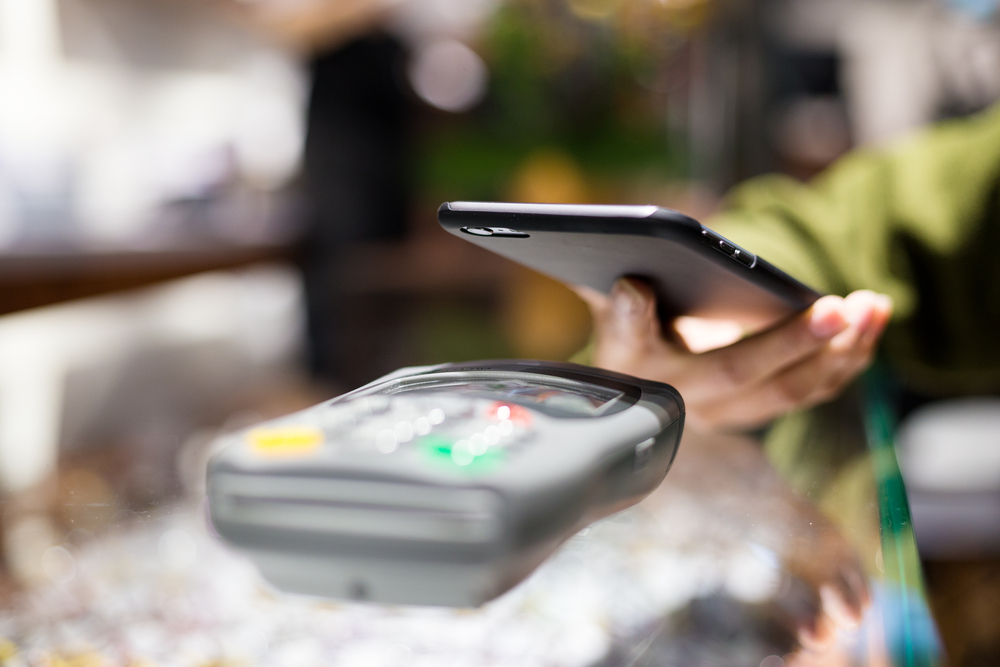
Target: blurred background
point(216, 211)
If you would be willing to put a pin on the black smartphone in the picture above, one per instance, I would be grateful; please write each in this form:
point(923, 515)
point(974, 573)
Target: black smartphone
point(693, 270)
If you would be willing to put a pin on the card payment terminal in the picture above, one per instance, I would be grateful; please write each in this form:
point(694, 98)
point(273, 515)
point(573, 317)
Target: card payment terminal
point(441, 485)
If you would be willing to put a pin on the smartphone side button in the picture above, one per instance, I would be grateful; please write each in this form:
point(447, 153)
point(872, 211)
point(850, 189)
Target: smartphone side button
point(745, 258)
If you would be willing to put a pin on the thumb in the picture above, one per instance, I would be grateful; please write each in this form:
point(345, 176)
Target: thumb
point(630, 324)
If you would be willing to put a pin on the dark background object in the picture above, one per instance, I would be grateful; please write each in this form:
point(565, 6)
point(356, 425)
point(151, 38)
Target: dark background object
point(34, 279)
point(356, 155)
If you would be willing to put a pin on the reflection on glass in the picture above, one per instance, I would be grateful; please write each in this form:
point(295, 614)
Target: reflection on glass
point(911, 635)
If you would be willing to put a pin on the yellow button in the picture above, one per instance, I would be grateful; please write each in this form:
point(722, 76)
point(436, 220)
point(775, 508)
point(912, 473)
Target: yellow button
point(285, 441)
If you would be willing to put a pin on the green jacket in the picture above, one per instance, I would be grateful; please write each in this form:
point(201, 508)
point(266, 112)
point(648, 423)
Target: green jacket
point(918, 220)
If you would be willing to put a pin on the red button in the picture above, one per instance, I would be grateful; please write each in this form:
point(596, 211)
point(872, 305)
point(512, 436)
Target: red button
point(515, 413)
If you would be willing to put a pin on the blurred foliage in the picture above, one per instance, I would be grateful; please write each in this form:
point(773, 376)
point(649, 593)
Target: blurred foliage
point(588, 79)
point(451, 330)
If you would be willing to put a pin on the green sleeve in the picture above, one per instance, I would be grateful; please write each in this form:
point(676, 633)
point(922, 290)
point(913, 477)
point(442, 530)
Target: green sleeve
point(861, 223)
point(918, 220)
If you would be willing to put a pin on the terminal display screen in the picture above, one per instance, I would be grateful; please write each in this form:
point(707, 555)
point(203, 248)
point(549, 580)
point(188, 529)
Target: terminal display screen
point(554, 396)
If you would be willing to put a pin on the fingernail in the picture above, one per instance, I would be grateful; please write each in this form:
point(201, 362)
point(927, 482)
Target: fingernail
point(860, 308)
point(626, 298)
point(818, 637)
point(878, 320)
point(838, 609)
point(827, 319)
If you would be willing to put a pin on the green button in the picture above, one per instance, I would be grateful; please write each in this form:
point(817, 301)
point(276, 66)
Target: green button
point(440, 451)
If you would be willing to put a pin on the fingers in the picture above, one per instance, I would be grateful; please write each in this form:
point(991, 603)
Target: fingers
point(868, 313)
point(819, 635)
point(731, 370)
point(628, 332)
point(854, 580)
point(842, 604)
point(632, 317)
point(801, 362)
point(852, 597)
point(847, 354)
point(840, 609)
point(817, 378)
point(843, 611)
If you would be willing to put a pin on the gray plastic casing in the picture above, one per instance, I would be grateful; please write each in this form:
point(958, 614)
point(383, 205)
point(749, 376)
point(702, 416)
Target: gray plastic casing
point(388, 529)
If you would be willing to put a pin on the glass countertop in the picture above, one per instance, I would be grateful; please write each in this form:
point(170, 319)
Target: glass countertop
point(796, 553)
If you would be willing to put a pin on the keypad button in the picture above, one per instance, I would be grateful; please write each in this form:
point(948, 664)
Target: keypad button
point(743, 257)
point(477, 427)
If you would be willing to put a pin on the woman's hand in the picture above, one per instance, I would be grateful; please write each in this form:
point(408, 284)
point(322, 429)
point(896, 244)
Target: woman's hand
point(800, 362)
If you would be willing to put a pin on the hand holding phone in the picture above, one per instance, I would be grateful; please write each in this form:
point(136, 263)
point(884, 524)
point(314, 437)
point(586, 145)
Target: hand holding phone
point(802, 361)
